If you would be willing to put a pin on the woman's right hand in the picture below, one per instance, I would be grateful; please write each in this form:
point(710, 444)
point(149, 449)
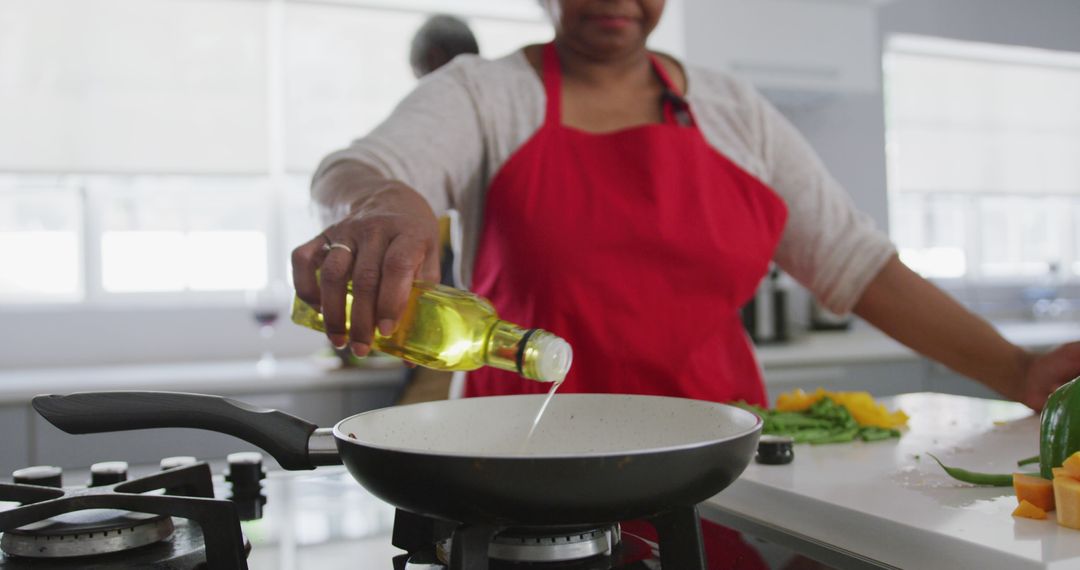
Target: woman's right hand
point(392, 238)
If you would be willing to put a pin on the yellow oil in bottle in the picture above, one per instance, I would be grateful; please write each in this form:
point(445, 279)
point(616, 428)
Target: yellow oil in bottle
point(450, 329)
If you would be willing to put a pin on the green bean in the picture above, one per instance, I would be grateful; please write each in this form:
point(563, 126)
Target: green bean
point(839, 436)
point(809, 435)
point(824, 422)
point(975, 478)
point(871, 433)
point(797, 421)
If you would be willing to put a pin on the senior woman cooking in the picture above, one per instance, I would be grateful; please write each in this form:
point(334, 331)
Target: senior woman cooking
point(630, 205)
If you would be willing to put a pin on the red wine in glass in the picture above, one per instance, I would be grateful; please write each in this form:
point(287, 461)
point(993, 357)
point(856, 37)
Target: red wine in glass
point(266, 305)
point(266, 318)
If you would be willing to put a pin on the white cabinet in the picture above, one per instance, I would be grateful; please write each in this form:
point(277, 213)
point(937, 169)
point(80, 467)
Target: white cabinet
point(788, 45)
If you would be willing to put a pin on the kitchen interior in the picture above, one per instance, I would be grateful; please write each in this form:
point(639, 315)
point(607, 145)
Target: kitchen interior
point(155, 161)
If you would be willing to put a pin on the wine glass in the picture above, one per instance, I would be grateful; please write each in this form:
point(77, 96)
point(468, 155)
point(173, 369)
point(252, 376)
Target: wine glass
point(266, 305)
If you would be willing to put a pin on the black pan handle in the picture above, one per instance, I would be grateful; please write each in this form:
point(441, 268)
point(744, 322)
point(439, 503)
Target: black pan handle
point(283, 436)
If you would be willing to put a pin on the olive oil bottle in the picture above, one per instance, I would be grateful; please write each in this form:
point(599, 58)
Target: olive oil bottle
point(450, 329)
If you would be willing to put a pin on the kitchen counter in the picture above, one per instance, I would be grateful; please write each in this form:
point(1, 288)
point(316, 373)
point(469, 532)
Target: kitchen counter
point(887, 504)
point(862, 345)
point(219, 377)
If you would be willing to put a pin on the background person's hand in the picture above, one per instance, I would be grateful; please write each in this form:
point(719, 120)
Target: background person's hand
point(1045, 372)
point(392, 239)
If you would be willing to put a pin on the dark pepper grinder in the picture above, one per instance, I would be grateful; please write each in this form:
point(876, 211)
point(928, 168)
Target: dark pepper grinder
point(765, 316)
point(775, 450)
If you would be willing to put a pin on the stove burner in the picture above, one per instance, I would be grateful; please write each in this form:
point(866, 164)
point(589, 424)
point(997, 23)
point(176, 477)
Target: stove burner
point(184, 550)
point(537, 545)
point(85, 533)
point(74, 526)
point(437, 544)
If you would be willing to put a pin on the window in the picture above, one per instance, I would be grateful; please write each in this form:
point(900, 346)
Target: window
point(160, 150)
point(40, 214)
point(984, 181)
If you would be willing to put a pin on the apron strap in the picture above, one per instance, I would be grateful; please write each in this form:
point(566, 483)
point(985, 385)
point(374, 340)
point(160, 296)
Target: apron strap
point(552, 84)
point(675, 108)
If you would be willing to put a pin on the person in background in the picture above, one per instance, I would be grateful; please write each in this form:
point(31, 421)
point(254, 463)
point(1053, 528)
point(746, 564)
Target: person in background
point(629, 204)
point(438, 41)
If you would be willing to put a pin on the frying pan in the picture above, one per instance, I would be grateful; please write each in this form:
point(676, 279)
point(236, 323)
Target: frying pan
point(593, 459)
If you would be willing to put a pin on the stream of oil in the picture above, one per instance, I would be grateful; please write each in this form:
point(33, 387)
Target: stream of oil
point(540, 414)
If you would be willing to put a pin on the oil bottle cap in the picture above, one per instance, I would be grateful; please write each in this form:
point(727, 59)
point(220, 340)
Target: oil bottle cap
point(553, 357)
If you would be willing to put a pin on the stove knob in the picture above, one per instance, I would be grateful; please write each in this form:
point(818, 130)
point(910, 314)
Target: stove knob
point(43, 475)
point(177, 461)
point(419, 563)
point(245, 474)
point(108, 473)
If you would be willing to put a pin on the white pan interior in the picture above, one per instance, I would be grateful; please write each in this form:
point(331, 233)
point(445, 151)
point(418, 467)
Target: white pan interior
point(573, 424)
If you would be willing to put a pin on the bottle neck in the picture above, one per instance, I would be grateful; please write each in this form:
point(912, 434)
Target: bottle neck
point(509, 348)
point(506, 346)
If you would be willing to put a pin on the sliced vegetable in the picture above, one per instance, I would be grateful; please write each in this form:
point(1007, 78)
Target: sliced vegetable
point(1060, 472)
point(1034, 490)
point(974, 477)
point(824, 421)
point(1029, 511)
point(1072, 465)
point(1067, 500)
point(861, 405)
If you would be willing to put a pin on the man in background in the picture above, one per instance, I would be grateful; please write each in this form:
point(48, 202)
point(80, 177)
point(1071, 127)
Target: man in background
point(436, 43)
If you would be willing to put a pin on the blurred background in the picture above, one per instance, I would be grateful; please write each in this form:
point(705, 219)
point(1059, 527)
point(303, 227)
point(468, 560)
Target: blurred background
point(155, 158)
point(155, 155)
point(182, 134)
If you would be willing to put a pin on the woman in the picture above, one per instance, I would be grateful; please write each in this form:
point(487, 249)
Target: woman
point(630, 205)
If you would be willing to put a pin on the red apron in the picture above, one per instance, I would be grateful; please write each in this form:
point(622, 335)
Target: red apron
point(638, 247)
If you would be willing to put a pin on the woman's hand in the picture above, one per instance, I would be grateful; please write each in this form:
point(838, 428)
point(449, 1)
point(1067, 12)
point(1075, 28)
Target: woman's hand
point(1045, 372)
point(390, 238)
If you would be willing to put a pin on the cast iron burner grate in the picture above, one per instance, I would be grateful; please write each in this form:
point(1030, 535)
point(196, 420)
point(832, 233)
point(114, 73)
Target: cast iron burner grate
point(101, 526)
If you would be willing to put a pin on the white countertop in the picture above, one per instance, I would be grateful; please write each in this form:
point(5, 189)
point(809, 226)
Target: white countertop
point(218, 377)
point(889, 503)
point(861, 345)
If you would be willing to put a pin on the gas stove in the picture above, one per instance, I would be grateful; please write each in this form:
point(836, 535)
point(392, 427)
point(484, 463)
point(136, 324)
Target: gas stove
point(318, 519)
point(170, 519)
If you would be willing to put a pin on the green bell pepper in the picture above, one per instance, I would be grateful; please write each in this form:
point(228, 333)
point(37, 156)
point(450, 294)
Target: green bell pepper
point(1059, 428)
